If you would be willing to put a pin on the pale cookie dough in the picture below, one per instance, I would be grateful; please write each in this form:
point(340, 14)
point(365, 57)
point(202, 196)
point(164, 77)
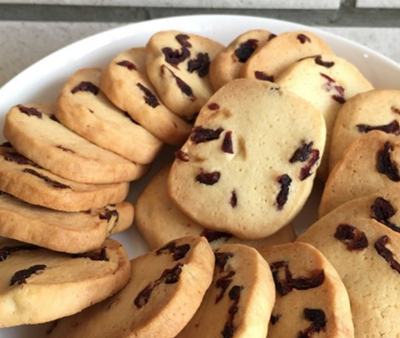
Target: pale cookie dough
point(249, 156)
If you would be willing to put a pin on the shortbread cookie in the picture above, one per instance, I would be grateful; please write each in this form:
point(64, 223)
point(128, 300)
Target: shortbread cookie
point(62, 231)
point(126, 84)
point(240, 298)
point(268, 62)
point(228, 63)
point(249, 155)
point(311, 299)
point(35, 134)
point(159, 220)
point(326, 81)
point(29, 182)
point(365, 254)
point(369, 165)
point(165, 290)
point(84, 109)
point(178, 65)
point(38, 285)
point(377, 109)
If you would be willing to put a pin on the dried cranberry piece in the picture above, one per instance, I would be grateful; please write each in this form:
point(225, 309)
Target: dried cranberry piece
point(382, 210)
point(352, 237)
point(212, 236)
point(108, 214)
point(67, 150)
point(283, 194)
point(19, 159)
point(303, 38)
point(171, 276)
point(208, 178)
point(385, 165)
point(395, 110)
point(127, 64)
point(30, 111)
point(390, 128)
point(306, 170)
point(339, 99)
point(213, 106)
point(149, 97)
point(201, 65)
point(221, 258)
point(20, 276)
point(86, 86)
point(178, 252)
point(181, 155)
point(234, 295)
point(245, 49)
point(200, 134)
point(318, 322)
point(183, 86)
point(48, 180)
point(303, 283)
point(223, 283)
point(98, 255)
point(175, 57)
point(328, 64)
point(383, 251)
point(6, 251)
point(143, 297)
point(233, 199)
point(330, 86)
point(275, 318)
point(302, 153)
point(183, 40)
point(264, 77)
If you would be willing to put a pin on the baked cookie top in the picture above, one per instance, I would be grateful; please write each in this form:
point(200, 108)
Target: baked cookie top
point(377, 109)
point(38, 285)
point(165, 290)
point(34, 133)
point(31, 183)
point(126, 84)
point(83, 108)
point(240, 298)
point(310, 296)
point(178, 65)
point(249, 155)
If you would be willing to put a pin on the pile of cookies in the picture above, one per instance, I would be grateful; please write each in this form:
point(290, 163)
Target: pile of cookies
point(253, 125)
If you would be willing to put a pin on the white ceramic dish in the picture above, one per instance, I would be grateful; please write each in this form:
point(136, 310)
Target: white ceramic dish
point(43, 80)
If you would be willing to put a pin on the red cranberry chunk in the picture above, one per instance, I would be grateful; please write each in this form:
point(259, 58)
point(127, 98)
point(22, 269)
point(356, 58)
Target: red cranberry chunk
point(19, 159)
point(200, 65)
point(385, 165)
point(53, 183)
point(67, 150)
point(177, 251)
point(303, 38)
point(171, 276)
point(221, 258)
point(181, 155)
point(127, 64)
point(302, 153)
point(318, 322)
point(282, 285)
point(283, 194)
point(99, 255)
point(182, 85)
point(86, 86)
point(383, 251)
point(30, 111)
point(395, 110)
point(208, 178)
point(6, 251)
point(275, 318)
point(227, 145)
point(390, 128)
point(353, 238)
point(303, 283)
point(381, 211)
point(149, 97)
point(183, 40)
point(233, 201)
point(328, 64)
point(20, 276)
point(175, 57)
point(246, 49)
point(306, 170)
point(108, 214)
point(229, 328)
point(223, 283)
point(200, 134)
point(213, 106)
point(264, 77)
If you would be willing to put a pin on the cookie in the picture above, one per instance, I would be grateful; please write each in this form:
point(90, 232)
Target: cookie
point(249, 155)
point(240, 298)
point(62, 231)
point(368, 165)
point(165, 290)
point(126, 84)
point(29, 182)
point(84, 109)
point(311, 299)
point(178, 66)
point(36, 135)
point(377, 109)
point(228, 63)
point(365, 254)
point(330, 80)
point(268, 62)
point(159, 220)
point(38, 285)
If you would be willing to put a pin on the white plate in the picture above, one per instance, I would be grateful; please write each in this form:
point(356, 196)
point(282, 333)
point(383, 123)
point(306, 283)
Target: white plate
point(43, 80)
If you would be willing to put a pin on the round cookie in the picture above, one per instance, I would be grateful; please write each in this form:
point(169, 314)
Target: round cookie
point(178, 66)
point(84, 109)
point(29, 182)
point(159, 220)
point(365, 255)
point(239, 164)
point(311, 299)
point(165, 290)
point(368, 165)
point(35, 134)
point(62, 231)
point(330, 81)
point(240, 298)
point(226, 66)
point(268, 62)
point(377, 109)
point(126, 84)
point(38, 285)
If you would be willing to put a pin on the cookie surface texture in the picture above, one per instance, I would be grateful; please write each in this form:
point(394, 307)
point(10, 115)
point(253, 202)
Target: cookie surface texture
point(310, 296)
point(226, 66)
point(62, 231)
point(240, 298)
point(33, 133)
point(39, 285)
point(178, 66)
point(126, 84)
point(165, 290)
point(84, 109)
point(377, 109)
point(29, 182)
point(240, 164)
point(159, 220)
